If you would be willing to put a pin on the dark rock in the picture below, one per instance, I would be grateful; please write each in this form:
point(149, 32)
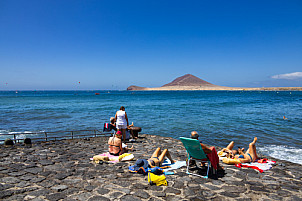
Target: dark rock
point(6, 193)
point(142, 194)
point(155, 188)
point(231, 195)
point(102, 191)
point(62, 176)
point(34, 170)
point(55, 196)
point(90, 188)
point(172, 190)
point(115, 195)
point(98, 198)
point(59, 188)
point(129, 198)
point(41, 192)
point(46, 162)
point(9, 180)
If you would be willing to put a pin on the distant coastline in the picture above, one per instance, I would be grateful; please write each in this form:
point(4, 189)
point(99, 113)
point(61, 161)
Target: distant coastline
point(190, 82)
point(189, 88)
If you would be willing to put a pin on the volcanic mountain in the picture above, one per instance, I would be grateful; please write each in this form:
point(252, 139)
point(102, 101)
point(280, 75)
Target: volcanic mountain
point(191, 82)
point(186, 82)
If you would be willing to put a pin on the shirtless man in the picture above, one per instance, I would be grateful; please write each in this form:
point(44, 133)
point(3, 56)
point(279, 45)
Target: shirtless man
point(206, 149)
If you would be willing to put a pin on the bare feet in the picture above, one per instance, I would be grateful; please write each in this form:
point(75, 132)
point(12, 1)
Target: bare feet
point(131, 148)
point(255, 140)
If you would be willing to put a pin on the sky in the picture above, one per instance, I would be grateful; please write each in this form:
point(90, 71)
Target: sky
point(110, 45)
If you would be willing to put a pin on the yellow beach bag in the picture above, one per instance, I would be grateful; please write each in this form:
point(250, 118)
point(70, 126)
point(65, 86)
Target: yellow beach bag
point(157, 180)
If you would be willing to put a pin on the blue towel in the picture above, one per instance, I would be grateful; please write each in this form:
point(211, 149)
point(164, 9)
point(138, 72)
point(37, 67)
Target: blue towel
point(173, 166)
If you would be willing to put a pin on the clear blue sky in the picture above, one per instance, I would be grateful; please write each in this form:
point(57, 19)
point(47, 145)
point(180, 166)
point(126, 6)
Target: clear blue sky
point(55, 44)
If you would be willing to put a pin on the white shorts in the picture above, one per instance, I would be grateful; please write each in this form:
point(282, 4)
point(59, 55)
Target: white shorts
point(121, 126)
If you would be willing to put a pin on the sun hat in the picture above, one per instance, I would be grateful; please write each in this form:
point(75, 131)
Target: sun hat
point(140, 163)
point(119, 133)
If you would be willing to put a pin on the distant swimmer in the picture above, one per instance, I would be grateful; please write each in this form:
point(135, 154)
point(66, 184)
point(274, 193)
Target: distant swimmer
point(284, 118)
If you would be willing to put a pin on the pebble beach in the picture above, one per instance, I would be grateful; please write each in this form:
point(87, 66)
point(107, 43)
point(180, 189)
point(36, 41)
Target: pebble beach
point(62, 170)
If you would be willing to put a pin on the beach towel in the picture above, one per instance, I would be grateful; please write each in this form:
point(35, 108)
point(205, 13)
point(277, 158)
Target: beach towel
point(257, 165)
point(213, 157)
point(112, 158)
point(168, 166)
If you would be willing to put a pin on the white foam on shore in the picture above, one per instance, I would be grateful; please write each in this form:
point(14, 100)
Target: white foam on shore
point(282, 152)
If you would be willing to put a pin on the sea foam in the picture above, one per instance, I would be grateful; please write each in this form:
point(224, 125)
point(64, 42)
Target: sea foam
point(282, 152)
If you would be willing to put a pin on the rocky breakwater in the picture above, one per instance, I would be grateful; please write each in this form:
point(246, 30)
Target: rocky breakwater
point(62, 170)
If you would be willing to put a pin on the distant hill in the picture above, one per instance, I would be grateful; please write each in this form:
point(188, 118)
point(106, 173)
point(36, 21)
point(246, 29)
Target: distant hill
point(191, 82)
point(188, 80)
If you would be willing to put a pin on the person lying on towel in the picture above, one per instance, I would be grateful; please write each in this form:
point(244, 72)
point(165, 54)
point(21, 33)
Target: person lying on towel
point(248, 157)
point(158, 158)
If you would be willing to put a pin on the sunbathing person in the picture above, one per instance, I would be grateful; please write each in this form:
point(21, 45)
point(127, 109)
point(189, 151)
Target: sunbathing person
point(249, 156)
point(158, 158)
point(228, 151)
point(116, 147)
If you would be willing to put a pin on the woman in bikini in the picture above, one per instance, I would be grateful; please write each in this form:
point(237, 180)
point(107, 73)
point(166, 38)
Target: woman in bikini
point(158, 157)
point(250, 155)
point(116, 147)
point(228, 151)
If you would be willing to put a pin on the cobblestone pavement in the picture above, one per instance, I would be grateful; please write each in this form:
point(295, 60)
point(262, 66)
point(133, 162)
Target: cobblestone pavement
point(61, 170)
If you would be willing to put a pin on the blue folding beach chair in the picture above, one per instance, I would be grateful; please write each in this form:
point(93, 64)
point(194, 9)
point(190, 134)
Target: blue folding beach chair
point(195, 152)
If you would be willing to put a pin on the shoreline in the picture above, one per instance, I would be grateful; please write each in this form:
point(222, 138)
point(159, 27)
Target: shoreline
point(61, 170)
point(193, 88)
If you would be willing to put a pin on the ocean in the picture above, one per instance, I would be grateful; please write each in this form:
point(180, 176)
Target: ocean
point(218, 116)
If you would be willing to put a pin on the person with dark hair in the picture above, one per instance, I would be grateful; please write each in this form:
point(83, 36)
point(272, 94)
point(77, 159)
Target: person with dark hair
point(121, 120)
point(229, 152)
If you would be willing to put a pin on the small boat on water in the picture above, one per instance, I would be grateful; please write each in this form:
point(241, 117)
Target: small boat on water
point(97, 93)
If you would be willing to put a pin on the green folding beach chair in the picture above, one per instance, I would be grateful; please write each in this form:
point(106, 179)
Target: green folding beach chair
point(195, 152)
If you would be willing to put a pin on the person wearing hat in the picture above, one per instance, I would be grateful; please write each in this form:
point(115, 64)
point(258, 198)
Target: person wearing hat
point(116, 147)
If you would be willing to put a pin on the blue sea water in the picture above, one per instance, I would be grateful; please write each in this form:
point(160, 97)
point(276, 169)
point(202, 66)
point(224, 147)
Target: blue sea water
point(218, 116)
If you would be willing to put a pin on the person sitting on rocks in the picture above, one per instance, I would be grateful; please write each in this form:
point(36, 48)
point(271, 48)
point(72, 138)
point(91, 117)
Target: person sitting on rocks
point(158, 158)
point(208, 151)
point(116, 147)
point(129, 128)
point(112, 123)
